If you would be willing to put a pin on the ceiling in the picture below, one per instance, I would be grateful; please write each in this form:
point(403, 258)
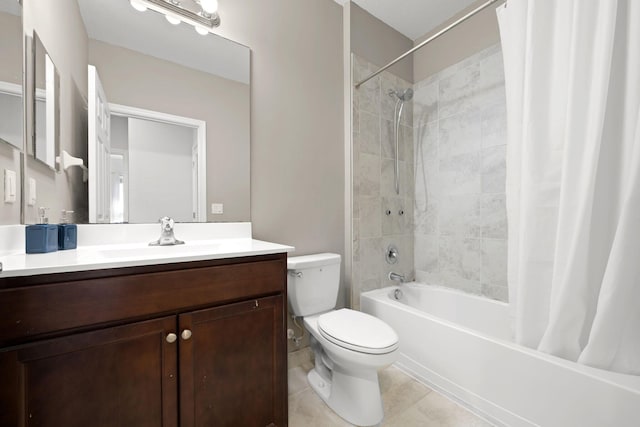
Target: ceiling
point(413, 18)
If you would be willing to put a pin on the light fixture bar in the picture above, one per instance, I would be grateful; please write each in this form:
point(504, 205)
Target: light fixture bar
point(189, 15)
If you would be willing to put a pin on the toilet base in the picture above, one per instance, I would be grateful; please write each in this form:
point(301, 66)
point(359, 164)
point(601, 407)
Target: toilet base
point(353, 396)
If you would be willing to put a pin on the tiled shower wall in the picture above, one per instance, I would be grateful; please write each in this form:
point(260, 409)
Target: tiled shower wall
point(460, 135)
point(380, 216)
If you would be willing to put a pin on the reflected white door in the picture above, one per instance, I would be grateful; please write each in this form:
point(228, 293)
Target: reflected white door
point(99, 151)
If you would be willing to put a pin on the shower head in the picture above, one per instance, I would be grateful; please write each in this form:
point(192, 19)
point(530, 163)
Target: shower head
point(402, 95)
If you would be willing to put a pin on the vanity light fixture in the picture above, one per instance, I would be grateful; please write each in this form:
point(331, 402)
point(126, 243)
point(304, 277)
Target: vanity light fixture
point(202, 14)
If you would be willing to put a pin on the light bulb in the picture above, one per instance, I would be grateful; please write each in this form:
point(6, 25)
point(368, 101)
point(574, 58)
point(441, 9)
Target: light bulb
point(201, 30)
point(172, 19)
point(209, 6)
point(138, 5)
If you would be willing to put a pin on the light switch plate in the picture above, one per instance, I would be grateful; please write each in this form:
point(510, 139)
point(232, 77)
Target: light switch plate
point(32, 192)
point(9, 186)
point(217, 208)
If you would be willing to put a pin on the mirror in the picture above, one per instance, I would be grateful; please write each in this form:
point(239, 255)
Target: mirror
point(157, 79)
point(11, 108)
point(46, 105)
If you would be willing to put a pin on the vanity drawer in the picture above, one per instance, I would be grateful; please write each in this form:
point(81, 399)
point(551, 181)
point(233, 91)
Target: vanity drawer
point(42, 310)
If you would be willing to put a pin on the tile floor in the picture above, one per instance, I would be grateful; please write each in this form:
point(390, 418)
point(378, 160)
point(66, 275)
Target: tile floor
point(407, 403)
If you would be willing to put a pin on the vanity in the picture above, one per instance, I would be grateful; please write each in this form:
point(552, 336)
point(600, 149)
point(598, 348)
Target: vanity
point(195, 336)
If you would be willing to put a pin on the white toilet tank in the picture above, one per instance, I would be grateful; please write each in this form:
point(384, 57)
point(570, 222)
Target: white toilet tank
point(313, 282)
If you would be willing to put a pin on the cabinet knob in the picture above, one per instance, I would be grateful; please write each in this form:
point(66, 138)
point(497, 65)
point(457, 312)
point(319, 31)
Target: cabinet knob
point(186, 334)
point(171, 338)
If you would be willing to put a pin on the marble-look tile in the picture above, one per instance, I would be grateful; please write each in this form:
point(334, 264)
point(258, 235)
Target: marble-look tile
point(425, 216)
point(307, 409)
point(355, 116)
point(368, 95)
point(371, 284)
point(459, 134)
point(425, 104)
point(494, 262)
point(494, 169)
point(388, 140)
point(426, 164)
point(460, 262)
point(459, 215)
point(461, 174)
point(408, 190)
point(387, 180)
point(406, 118)
point(494, 125)
point(393, 215)
point(297, 380)
point(355, 248)
point(369, 136)
point(456, 92)
point(426, 253)
point(300, 358)
point(436, 410)
point(400, 397)
point(409, 206)
point(492, 68)
point(371, 259)
point(368, 174)
point(499, 293)
point(493, 215)
point(406, 142)
point(370, 217)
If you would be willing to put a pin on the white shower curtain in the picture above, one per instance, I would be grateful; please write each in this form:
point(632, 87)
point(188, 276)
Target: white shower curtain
point(572, 72)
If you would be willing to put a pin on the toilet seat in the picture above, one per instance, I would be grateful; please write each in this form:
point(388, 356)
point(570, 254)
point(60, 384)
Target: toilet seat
point(357, 331)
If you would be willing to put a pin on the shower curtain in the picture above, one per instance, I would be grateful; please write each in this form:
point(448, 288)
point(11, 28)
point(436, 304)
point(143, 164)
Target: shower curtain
point(572, 75)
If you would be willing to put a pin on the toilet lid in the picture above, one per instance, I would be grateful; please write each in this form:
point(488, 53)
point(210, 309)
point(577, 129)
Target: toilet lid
point(358, 331)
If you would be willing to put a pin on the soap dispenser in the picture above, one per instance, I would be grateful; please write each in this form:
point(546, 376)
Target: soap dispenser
point(41, 237)
point(67, 233)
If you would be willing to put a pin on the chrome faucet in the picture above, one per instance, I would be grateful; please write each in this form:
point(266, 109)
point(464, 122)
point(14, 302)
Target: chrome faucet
point(166, 234)
point(395, 277)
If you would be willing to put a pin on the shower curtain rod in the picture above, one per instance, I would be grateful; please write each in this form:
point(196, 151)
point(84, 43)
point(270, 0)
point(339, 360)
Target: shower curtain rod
point(433, 37)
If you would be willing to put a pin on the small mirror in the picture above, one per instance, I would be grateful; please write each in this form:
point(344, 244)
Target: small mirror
point(11, 111)
point(10, 75)
point(46, 105)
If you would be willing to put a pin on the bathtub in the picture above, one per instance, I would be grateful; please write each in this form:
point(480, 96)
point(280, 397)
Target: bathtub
point(460, 345)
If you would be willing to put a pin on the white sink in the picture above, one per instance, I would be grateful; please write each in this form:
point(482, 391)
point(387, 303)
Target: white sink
point(158, 251)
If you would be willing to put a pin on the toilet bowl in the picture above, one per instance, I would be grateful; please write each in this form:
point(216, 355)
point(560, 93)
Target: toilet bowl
point(349, 346)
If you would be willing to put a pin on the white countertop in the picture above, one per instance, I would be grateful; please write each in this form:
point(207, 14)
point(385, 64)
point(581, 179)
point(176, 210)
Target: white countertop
point(130, 255)
point(127, 246)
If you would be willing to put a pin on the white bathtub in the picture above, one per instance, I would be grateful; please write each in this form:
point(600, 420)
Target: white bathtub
point(460, 345)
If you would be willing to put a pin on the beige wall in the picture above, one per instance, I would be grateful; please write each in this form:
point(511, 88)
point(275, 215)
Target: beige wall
point(477, 33)
point(142, 81)
point(10, 71)
point(378, 43)
point(68, 49)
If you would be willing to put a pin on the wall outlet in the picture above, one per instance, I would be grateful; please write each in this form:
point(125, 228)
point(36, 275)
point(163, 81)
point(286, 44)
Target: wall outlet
point(217, 208)
point(9, 186)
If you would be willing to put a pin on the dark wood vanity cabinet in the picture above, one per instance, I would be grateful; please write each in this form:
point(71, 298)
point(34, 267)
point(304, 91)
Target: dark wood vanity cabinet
point(190, 344)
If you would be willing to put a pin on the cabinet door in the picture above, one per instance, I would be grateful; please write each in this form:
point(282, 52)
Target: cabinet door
point(119, 376)
point(232, 365)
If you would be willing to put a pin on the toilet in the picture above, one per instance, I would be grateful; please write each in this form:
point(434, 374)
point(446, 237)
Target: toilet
point(349, 346)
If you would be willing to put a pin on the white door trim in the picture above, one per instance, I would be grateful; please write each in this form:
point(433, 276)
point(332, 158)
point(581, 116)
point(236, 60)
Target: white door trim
point(201, 137)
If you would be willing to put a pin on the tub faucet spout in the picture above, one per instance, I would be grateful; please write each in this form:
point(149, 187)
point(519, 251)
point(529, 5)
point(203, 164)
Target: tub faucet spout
point(395, 277)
